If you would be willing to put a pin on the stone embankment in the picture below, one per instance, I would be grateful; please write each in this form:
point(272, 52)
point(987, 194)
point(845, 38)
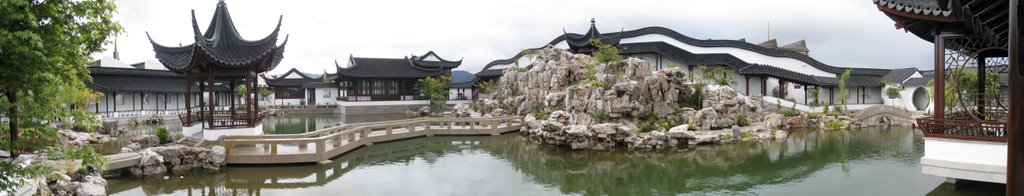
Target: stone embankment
point(157, 160)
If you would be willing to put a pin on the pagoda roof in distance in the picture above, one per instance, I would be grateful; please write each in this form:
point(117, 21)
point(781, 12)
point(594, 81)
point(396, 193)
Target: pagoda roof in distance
point(584, 40)
point(414, 67)
point(222, 46)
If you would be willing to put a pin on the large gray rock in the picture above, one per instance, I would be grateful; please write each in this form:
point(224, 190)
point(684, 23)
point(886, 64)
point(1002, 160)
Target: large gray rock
point(216, 156)
point(145, 141)
point(92, 186)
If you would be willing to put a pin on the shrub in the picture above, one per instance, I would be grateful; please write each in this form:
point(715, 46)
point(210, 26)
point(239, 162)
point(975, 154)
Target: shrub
point(788, 112)
point(477, 106)
point(812, 115)
point(599, 116)
point(541, 115)
point(834, 124)
point(605, 53)
point(165, 137)
point(742, 121)
point(86, 154)
point(693, 101)
point(747, 134)
point(522, 69)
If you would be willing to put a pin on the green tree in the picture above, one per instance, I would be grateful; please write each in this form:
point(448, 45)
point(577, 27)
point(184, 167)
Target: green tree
point(264, 92)
point(844, 92)
point(241, 90)
point(435, 89)
point(815, 93)
point(893, 91)
point(605, 53)
point(44, 49)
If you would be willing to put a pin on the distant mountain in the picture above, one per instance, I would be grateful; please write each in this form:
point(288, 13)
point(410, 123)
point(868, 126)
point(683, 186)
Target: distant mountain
point(461, 76)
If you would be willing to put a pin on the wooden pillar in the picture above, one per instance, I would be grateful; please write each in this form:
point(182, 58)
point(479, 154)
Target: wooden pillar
point(115, 101)
point(188, 101)
point(209, 81)
point(231, 86)
point(747, 78)
point(940, 77)
point(1015, 174)
point(764, 85)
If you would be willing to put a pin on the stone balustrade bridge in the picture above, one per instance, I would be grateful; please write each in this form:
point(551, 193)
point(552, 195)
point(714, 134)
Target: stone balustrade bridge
point(883, 114)
point(324, 144)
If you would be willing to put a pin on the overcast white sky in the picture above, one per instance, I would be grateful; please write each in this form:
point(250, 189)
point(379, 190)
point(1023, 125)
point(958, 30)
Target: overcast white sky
point(838, 32)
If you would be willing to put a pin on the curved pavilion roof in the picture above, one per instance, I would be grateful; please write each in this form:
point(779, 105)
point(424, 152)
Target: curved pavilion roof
point(408, 67)
point(987, 19)
point(222, 46)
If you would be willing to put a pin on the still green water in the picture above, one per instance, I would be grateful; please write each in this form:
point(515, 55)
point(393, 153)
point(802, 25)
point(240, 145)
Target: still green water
point(872, 161)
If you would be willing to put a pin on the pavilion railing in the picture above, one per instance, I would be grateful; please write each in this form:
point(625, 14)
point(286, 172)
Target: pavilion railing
point(223, 119)
point(974, 130)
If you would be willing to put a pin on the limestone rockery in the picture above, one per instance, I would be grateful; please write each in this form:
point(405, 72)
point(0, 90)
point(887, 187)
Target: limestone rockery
point(575, 100)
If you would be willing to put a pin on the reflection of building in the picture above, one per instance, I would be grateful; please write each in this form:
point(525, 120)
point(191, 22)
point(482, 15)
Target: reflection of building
point(785, 72)
point(967, 136)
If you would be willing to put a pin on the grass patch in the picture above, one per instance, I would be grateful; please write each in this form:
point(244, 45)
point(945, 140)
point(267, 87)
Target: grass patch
point(834, 124)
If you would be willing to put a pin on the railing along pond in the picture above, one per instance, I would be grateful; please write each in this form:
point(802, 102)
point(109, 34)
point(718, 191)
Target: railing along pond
point(326, 143)
point(976, 130)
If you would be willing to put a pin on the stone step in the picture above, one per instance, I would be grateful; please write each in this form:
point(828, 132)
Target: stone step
point(192, 141)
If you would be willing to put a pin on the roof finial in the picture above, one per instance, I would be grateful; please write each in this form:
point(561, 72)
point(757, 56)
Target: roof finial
point(117, 55)
point(591, 21)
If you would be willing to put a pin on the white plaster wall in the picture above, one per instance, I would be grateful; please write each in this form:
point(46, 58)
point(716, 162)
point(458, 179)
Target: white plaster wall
point(745, 55)
point(108, 61)
point(524, 61)
point(453, 93)
point(288, 101)
point(772, 83)
point(966, 156)
point(874, 95)
point(755, 85)
point(906, 100)
point(331, 99)
point(293, 75)
point(383, 103)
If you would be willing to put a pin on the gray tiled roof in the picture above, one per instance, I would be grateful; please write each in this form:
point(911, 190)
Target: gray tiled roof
point(385, 68)
point(925, 7)
point(898, 75)
point(222, 44)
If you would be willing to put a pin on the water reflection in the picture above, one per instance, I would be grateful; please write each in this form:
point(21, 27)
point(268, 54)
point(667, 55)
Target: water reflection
point(877, 161)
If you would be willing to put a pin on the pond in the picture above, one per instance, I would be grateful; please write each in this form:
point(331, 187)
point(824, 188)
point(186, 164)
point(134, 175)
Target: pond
point(871, 161)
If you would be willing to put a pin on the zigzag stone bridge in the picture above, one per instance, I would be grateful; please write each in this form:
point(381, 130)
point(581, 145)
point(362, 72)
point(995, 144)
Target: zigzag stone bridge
point(322, 145)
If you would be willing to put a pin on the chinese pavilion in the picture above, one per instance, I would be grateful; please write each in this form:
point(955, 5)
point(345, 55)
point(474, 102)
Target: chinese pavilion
point(975, 131)
point(220, 56)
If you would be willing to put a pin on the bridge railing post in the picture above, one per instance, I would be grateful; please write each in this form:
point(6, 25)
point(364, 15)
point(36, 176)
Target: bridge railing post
point(320, 147)
point(273, 148)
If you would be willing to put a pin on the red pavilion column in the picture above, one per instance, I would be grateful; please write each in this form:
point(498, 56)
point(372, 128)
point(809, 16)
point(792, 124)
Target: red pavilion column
point(1014, 173)
point(939, 111)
